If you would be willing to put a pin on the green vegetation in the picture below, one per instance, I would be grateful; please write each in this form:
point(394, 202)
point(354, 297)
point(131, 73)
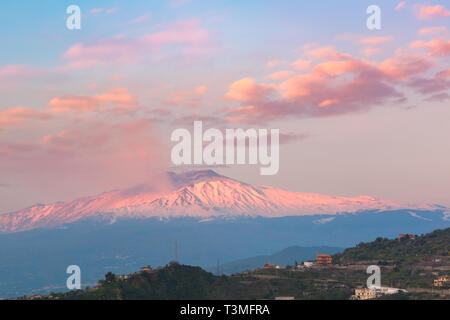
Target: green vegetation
point(180, 282)
point(410, 264)
point(421, 248)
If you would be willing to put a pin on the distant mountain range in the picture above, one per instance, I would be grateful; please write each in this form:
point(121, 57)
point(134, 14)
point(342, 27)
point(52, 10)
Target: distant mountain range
point(198, 194)
point(209, 216)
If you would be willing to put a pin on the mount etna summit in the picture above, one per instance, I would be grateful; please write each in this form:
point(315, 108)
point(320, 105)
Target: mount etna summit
point(203, 195)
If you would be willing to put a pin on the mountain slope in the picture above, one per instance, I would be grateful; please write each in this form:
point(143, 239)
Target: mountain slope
point(284, 257)
point(436, 243)
point(199, 194)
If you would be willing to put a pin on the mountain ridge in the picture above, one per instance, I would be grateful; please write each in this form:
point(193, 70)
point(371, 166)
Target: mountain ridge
point(200, 194)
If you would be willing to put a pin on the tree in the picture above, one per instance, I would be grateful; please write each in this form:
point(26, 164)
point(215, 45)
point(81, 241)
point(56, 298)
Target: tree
point(110, 277)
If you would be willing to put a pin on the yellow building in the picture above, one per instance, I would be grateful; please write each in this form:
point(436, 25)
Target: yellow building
point(323, 259)
point(365, 294)
point(146, 269)
point(441, 281)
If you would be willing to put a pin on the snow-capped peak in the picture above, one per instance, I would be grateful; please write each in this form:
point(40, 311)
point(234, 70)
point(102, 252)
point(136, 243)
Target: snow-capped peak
point(202, 194)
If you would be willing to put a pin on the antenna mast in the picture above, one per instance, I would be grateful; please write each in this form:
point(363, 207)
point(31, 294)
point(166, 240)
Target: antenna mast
point(218, 267)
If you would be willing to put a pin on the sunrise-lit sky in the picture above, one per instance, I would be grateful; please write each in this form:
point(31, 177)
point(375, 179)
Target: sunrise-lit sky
point(361, 112)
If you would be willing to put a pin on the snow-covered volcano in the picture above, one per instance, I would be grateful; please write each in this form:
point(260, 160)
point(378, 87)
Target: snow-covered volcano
point(200, 194)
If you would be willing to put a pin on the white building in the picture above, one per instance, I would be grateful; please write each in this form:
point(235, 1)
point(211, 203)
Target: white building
point(387, 290)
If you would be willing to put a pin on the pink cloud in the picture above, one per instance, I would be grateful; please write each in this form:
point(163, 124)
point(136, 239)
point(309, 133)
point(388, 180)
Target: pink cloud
point(430, 12)
point(182, 32)
point(186, 35)
point(438, 83)
point(302, 65)
point(305, 85)
point(328, 102)
point(117, 50)
point(370, 51)
point(335, 68)
point(14, 75)
point(403, 65)
point(115, 100)
point(116, 77)
point(280, 74)
point(190, 98)
point(324, 88)
point(438, 97)
point(325, 53)
point(338, 85)
point(141, 19)
point(435, 47)
point(188, 119)
point(400, 5)
point(432, 30)
point(18, 71)
point(430, 85)
point(201, 90)
point(444, 74)
point(13, 149)
point(376, 40)
point(18, 115)
point(96, 10)
point(247, 90)
point(93, 156)
point(273, 63)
